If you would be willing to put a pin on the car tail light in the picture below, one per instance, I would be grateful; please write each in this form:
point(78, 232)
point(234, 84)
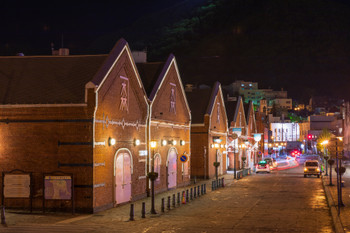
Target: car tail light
point(318, 169)
point(305, 169)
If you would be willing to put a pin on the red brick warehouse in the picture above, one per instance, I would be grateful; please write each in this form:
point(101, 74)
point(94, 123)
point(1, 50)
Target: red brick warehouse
point(208, 131)
point(169, 123)
point(85, 115)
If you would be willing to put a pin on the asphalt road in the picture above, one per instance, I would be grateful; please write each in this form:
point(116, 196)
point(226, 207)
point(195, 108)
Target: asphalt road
point(282, 201)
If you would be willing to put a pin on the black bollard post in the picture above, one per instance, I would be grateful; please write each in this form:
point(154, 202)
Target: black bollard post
point(3, 220)
point(198, 191)
point(195, 193)
point(174, 200)
point(131, 212)
point(187, 195)
point(191, 193)
point(162, 205)
point(168, 204)
point(202, 192)
point(178, 198)
point(205, 188)
point(143, 211)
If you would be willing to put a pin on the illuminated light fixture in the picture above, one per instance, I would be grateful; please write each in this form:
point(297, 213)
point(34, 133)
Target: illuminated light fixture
point(137, 142)
point(217, 139)
point(153, 144)
point(173, 142)
point(325, 142)
point(164, 142)
point(225, 146)
point(182, 142)
point(212, 145)
point(222, 145)
point(216, 145)
point(111, 141)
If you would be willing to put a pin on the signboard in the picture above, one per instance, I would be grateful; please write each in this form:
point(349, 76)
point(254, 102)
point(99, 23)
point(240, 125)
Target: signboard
point(237, 131)
point(142, 152)
point(234, 136)
point(183, 158)
point(58, 187)
point(260, 153)
point(16, 185)
point(257, 137)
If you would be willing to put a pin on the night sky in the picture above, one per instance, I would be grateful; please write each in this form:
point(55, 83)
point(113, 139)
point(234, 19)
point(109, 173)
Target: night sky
point(302, 46)
point(31, 27)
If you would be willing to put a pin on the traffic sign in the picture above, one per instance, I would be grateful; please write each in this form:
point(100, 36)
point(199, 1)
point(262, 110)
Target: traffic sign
point(183, 158)
point(259, 152)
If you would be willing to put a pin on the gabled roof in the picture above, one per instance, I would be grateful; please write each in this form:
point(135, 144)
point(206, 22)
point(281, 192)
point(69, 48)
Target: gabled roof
point(202, 101)
point(149, 73)
point(153, 75)
point(46, 79)
point(247, 109)
point(198, 100)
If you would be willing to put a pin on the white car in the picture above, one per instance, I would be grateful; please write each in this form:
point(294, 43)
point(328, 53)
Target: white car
point(262, 166)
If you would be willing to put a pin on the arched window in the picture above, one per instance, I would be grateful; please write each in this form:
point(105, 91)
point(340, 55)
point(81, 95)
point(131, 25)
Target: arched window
point(157, 163)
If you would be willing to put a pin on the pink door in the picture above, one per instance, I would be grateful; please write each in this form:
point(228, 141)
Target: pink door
point(172, 169)
point(122, 178)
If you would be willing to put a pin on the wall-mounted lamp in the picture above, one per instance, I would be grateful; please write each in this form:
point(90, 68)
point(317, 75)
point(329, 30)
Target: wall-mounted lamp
point(173, 142)
point(216, 145)
point(153, 144)
point(212, 145)
point(137, 142)
point(111, 141)
point(164, 142)
point(222, 145)
point(182, 142)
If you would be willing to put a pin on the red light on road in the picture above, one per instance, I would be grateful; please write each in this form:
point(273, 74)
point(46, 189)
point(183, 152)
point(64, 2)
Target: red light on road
point(309, 136)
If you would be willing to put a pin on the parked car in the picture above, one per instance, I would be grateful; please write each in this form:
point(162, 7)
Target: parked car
point(262, 166)
point(312, 167)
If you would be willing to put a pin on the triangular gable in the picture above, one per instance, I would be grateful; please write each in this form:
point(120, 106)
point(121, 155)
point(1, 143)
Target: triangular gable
point(215, 92)
point(110, 62)
point(171, 60)
point(250, 111)
point(238, 106)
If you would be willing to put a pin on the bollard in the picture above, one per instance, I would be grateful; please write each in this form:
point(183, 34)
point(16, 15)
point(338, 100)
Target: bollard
point(223, 182)
point(3, 221)
point(187, 195)
point(191, 194)
point(168, 204)
point(212, 185)
point(205, 188)
point(183, 197)
point(174, 200)
point(163, 205)
point(194, 191)
point(143, 211)
point(131, 212)
point(202, 191)
point(198, 191)
point(178, 198)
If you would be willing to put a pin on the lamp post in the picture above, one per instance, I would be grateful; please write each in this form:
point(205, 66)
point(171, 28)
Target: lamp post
point(153, 175)
point(324, 143)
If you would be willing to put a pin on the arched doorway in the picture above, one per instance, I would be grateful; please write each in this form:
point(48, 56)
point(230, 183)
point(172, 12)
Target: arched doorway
point(219, 159)
point(123, 170)
point(172, 168)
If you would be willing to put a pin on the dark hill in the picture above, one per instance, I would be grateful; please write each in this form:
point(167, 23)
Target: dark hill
point(300, 45)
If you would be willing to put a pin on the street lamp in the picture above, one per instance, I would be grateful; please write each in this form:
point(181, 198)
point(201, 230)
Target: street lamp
point(152, 175)
point(324, 143)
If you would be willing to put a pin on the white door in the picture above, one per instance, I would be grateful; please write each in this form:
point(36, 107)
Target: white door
point(122, 178)
point(172, 169)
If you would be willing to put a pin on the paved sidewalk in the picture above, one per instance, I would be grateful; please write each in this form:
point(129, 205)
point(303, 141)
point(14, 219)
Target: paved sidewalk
point(121, 213)
point(341, 221)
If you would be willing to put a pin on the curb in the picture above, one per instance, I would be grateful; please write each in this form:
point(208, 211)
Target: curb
point(338, 226)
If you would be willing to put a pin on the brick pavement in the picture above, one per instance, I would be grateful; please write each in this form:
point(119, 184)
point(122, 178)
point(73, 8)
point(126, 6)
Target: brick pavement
point(121, 213)
point(341, 221)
